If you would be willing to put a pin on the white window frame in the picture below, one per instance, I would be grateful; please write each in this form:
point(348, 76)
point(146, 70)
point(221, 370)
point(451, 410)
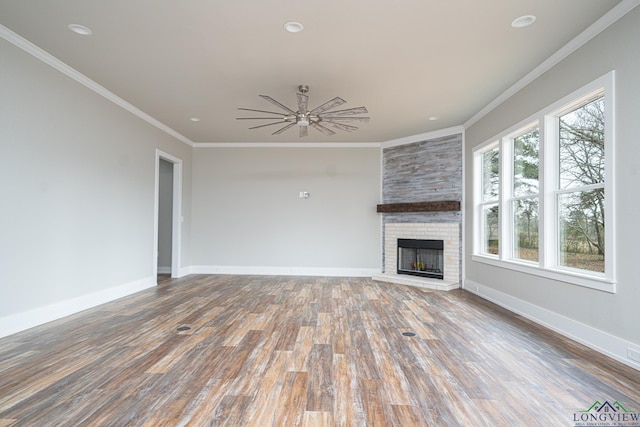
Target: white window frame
point(509, 220)
point(480, 203)
point(547, 122)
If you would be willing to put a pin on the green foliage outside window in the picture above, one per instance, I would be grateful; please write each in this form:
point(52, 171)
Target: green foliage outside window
point(526, 162)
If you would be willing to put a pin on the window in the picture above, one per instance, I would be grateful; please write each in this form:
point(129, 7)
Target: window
point(524, 191)
point(543, 205)
point(580, 193)
point(489, 205)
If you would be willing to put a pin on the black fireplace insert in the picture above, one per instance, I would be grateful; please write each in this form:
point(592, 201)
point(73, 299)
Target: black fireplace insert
point(424, 258)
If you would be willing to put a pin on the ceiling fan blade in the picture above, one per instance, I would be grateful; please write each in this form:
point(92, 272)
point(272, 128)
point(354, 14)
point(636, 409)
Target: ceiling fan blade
point(322, 129)
point(257, 118)
point(335, 102)
point(279, 131)
point(345, 118)
point(269, 124)
point(259, 111)
point(303, 100)
point(274, 102)
point(304, 131)
point(348, 111)
point(342, 126)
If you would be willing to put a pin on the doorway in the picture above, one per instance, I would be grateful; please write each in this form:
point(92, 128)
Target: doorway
point(167, 215)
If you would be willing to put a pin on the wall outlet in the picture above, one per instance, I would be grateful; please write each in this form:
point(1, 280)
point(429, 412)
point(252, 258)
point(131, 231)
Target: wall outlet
point(633, 354)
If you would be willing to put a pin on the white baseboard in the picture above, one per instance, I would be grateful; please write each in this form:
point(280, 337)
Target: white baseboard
point(603, 342)
point(164, 270)
point(282, 271)
point(28, 319)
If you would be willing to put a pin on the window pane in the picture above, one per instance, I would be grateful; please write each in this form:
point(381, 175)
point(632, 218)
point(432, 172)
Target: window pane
point(525, 227)
point(525, 164)
point(490, 174)
point(582, 230)
point(490, 224)
point(582, 145)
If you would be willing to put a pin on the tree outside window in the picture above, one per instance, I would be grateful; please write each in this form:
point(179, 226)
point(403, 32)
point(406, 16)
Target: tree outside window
point(524, 203)
point(580, 196)
point(490, 206)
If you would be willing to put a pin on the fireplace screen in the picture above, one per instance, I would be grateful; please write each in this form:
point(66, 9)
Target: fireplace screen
point(421, 258)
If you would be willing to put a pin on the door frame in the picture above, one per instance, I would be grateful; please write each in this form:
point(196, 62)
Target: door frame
point(176, 215)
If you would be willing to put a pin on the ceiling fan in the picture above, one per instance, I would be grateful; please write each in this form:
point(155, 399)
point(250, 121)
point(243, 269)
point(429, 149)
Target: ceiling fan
point(320, 118)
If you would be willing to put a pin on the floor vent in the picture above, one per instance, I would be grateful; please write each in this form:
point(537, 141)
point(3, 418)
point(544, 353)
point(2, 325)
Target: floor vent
point(409, 334)
point(183, 328)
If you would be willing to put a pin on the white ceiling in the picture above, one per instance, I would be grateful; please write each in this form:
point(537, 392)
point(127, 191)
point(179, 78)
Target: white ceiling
point(406, 60)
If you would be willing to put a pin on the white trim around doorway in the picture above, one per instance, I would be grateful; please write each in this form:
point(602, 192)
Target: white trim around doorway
point(176, 236)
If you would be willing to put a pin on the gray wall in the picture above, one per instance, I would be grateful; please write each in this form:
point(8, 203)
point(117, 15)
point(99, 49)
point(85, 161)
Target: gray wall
point(77, 188)
point(247, 210)
point(614, 49)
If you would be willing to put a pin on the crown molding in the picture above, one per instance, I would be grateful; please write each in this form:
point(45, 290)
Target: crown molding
point(74, 74)
point(287, 145)
point(423, 136)
point(605, 21)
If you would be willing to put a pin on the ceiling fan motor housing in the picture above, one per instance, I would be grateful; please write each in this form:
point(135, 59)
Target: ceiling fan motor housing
point(302, 119)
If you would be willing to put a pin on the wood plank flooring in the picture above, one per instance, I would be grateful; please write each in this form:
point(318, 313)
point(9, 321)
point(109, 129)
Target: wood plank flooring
point(298, 351)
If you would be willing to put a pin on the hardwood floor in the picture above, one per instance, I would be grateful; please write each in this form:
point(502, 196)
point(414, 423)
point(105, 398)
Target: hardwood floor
point(289, 351)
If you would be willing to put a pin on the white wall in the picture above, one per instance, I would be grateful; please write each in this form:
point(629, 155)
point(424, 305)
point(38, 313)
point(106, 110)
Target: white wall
point(611, 319)
point(77, 188)
point(247, 212)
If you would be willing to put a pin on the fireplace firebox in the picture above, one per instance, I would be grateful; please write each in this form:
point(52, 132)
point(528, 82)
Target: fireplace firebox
point(422, 258)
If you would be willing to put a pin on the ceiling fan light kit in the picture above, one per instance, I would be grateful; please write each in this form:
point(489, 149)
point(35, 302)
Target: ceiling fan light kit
point(316, 118)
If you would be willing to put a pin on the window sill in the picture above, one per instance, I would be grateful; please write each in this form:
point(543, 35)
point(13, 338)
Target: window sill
point(575, 278)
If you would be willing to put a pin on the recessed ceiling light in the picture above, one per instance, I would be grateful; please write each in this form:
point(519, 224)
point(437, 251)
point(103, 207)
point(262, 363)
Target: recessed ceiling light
point(433, 118)
point(293, 27)
point(523, 21)
point(80, 29)
point(195, 119)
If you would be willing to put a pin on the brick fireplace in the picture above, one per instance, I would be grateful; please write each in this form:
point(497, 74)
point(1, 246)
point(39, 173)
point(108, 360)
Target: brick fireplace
point(421, 199)
point(449, 233)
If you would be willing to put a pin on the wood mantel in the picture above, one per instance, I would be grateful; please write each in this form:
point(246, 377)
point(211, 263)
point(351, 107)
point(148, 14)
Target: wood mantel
point(439, 206)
